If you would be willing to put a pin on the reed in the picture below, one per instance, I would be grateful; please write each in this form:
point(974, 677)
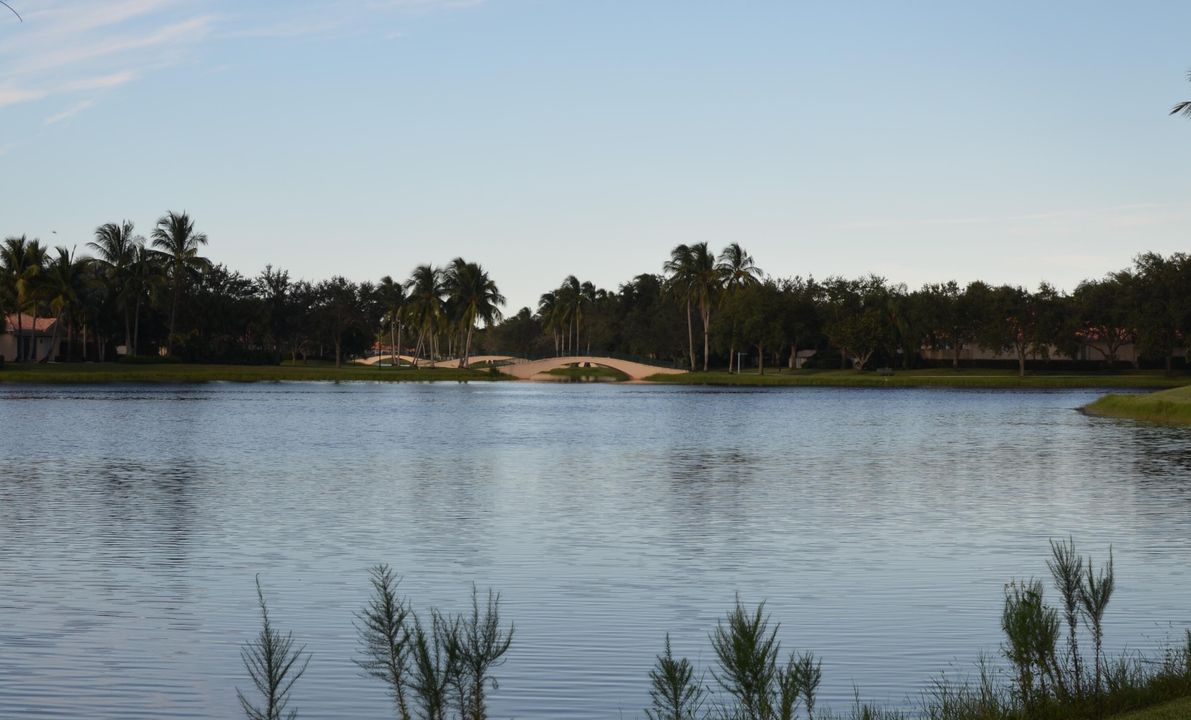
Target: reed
point(384, 637)
point(274, 665)
point(674, 692)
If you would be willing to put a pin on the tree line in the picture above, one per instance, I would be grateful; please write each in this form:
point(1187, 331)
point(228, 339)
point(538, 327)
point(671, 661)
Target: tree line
point(161, 296)
point(703, 309)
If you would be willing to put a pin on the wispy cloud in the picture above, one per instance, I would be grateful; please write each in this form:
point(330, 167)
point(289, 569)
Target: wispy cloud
point(12, 95)
point(422, 4)
point(291, 27)
point(69, 112)
point(100, 82)
point(78, 49)
point(75, 50)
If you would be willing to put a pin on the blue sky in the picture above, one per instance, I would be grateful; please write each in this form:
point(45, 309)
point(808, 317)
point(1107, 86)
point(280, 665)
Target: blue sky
point(923, 141)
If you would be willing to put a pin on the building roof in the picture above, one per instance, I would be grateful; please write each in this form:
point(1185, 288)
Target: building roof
point(27, 324)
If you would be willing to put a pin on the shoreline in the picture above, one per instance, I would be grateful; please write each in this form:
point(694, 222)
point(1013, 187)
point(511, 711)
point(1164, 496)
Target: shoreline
point(158, 373)
point(1167, 407)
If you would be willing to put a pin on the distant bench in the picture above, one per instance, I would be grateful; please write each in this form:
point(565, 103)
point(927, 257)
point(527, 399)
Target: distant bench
point(885, 371)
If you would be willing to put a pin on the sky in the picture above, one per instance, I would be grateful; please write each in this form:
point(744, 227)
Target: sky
point(1014, 142)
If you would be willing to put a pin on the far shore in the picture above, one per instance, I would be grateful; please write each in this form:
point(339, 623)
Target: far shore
point(975, 378)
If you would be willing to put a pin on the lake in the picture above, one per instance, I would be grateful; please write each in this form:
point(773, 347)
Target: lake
point(880, 526)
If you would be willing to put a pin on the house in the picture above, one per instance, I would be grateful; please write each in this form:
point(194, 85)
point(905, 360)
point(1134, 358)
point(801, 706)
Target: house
point(28, 338)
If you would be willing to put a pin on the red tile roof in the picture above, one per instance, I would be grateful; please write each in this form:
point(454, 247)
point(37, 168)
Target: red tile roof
point(43, 324)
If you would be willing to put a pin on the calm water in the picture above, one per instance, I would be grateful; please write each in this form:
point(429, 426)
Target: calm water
point(880, 526)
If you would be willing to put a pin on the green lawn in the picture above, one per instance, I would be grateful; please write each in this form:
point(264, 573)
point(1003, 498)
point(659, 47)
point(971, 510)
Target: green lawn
point(1169, 406)
point(965, 378)
point(192, 373)
point(594, 372)
point(1177, 710)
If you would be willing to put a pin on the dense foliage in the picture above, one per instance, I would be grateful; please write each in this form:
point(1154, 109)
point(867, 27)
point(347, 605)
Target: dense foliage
point(163, 297)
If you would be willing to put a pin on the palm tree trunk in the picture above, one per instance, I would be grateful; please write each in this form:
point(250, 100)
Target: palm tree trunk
point(760, 359)
point(705, 310)
point(690, 333)
point(33, 340)
point(467, 347)
point(20, 330)
point(392, 342)
point(136, 328)
point(127, 333)
point(169, 341)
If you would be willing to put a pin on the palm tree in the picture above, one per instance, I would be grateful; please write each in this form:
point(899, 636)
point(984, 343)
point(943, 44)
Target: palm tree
point(475, 297)
point(737, 271)
point(680, 268)
point(18, 278)
point(550, 314)
point(175, 238)
point(145, 275)
point(64, 280)
point(571, 293)
point(425, 306)
point(392, 297)
point(115, 247)
point(24, 260)
point(37, 257)
point(1183, 108)
point(706, 284)
point(587, 297)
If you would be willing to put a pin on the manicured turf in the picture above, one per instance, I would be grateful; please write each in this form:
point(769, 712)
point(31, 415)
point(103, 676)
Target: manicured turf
point(1169, 406)
point(193, 373)
point(594, 372)
point(966, 378)
point(1177, 710)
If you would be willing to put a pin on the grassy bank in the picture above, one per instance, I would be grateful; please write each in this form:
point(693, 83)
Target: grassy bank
point(1178, 710)
point(594, 373)
point(965, 378)
point(195, 373)
point(1169, 406)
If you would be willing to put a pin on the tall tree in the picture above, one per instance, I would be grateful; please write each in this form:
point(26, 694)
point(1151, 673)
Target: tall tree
point(550, 313)
point(145, 276)
point(475, 298)
point(680, 269)
point(738, 271)
point(1103, 307)
point(392, 299)
point(20, 275)
point(115, 246)
point(1010, 318)
point(340, 310)
point(175, 238)
point(706, 283)
point(859, 324)
point(63, 283)
point(425, 305)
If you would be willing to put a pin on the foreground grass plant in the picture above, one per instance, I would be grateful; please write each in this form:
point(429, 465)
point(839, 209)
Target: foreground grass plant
point(385, 638)
point(274, 665)
point(442, 669)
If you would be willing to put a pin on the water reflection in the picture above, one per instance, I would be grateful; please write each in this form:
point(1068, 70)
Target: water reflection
point(879, 524)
